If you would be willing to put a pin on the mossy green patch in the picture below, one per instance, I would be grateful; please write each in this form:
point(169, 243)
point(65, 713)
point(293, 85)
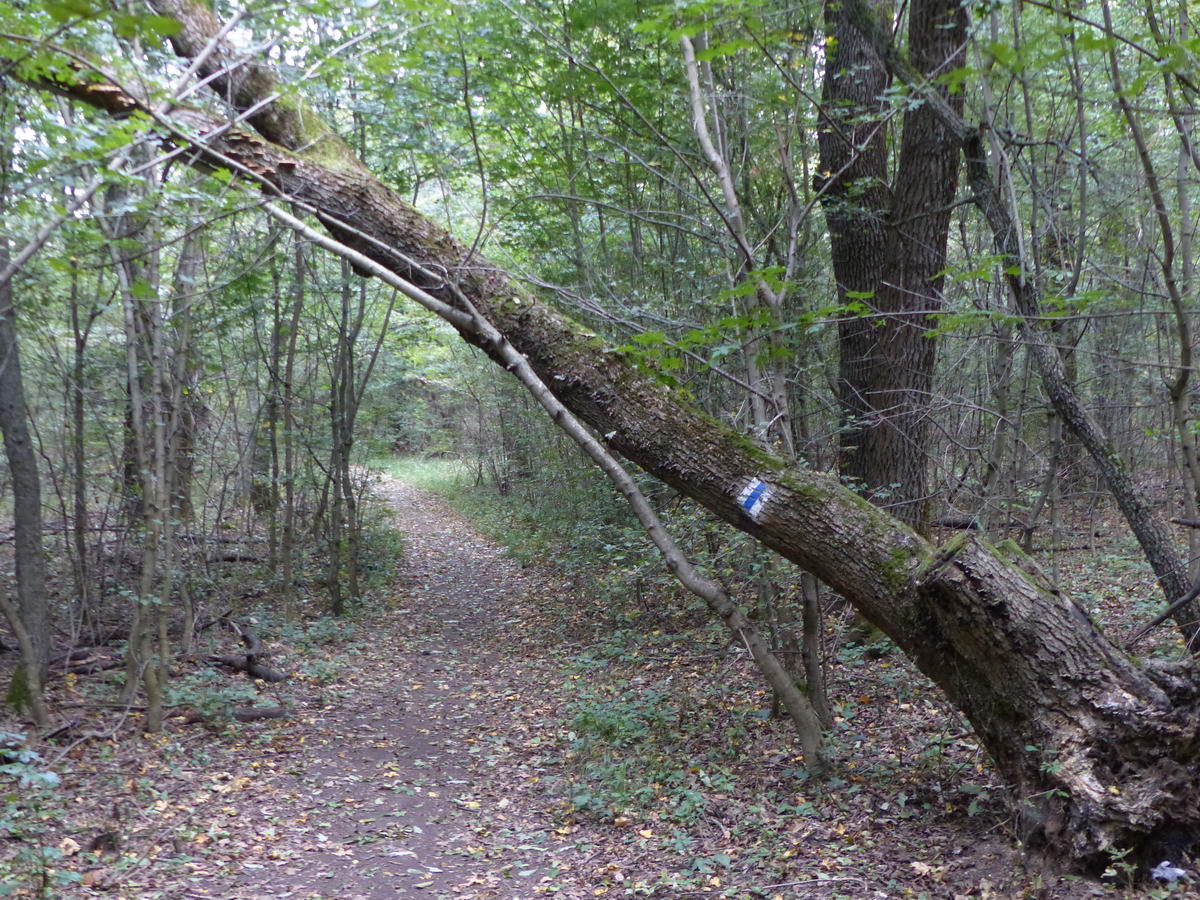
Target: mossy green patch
point(19, 696)
point(761, 457)
point(311, 139)
point(940, 557)
point(897, 568)
point(1010, 550)
point(1019, 561)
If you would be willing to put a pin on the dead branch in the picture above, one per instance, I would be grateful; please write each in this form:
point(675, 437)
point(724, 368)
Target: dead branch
point(241, 714)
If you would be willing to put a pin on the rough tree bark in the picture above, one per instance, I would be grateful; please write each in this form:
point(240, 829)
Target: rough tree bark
point(1100, 752)
point(853, 166)
point(26, 483)
point(1150, 528)
point(29, 616)
point(888, 245)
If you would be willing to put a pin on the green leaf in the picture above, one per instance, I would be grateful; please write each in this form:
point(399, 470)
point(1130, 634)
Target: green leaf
point(1089, 40)
point(1003, 54)
point(955, 78)
point(150, 26)
point(65, 10)
point(726, 49)
point(142, 289)
point(650, 339)
point(163, 26)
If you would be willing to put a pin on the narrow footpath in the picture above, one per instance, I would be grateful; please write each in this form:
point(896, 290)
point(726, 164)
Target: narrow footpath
point(430, 751)
point(412, 780)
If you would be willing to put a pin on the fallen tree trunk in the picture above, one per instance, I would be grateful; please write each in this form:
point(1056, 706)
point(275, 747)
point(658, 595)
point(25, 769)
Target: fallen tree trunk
point(249, 662)
point(241, 714)
point(1100, 753)
point(242, 662)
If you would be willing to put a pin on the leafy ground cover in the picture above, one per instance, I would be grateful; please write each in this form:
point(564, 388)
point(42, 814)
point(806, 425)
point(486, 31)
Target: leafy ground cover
point(491, 728)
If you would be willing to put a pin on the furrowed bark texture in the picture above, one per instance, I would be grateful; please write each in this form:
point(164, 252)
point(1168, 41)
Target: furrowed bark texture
point(29, 560)
point(853, 148)
point(1150, 529)
point(915, 258)
point(888, 246)
point(1115, 746)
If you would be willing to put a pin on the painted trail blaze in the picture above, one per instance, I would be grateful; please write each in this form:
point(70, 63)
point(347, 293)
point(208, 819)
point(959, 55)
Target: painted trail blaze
point(754, 497)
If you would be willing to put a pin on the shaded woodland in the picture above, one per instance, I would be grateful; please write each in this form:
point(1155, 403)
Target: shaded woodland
point(906, 295)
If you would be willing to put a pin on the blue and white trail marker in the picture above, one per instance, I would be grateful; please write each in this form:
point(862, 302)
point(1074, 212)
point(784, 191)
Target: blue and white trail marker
point(754, 497)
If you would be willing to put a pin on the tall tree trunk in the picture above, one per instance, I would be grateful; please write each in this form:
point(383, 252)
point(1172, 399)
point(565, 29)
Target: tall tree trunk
point(275, 387)
point(33, 627)
point(186, 409)
point(79, 524)
point(889, 249)
point(287, 540)
point(29, 559)
point(136, 262)
point(1148, 526)
point(852, 140)
point(910, 286)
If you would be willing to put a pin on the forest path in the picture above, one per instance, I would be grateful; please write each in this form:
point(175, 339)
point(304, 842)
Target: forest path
point(413, 782)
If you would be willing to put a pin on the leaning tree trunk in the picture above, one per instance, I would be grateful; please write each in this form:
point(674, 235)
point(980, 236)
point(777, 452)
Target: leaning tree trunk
point(1100, 752)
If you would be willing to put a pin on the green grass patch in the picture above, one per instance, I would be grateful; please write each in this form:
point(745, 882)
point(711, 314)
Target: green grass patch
point(506, 520)
point(447, 477)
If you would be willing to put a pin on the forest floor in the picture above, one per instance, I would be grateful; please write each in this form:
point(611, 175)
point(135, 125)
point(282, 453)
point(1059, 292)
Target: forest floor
point(486, 734)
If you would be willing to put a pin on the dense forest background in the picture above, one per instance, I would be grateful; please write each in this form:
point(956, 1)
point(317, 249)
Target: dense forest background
point(201, 398)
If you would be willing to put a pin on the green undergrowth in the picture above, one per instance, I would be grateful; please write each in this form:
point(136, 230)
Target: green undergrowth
point(570, 513)
point(102, 813)
point(457, 484)
point(670, 738)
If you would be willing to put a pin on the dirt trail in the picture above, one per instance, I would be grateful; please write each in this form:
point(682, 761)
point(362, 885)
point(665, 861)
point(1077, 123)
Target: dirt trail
point(433, 753)
point(399, 787)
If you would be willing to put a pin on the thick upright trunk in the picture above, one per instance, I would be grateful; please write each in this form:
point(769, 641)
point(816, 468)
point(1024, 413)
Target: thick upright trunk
point(853, 145)
point(30, 562)
point(33, 626)
point(889, 250)
point(185, 409)
point(287, 540)
point(910, 288)
point(1101, 753)
point(135, 260)
point(79, 524)
point(1149, 528)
